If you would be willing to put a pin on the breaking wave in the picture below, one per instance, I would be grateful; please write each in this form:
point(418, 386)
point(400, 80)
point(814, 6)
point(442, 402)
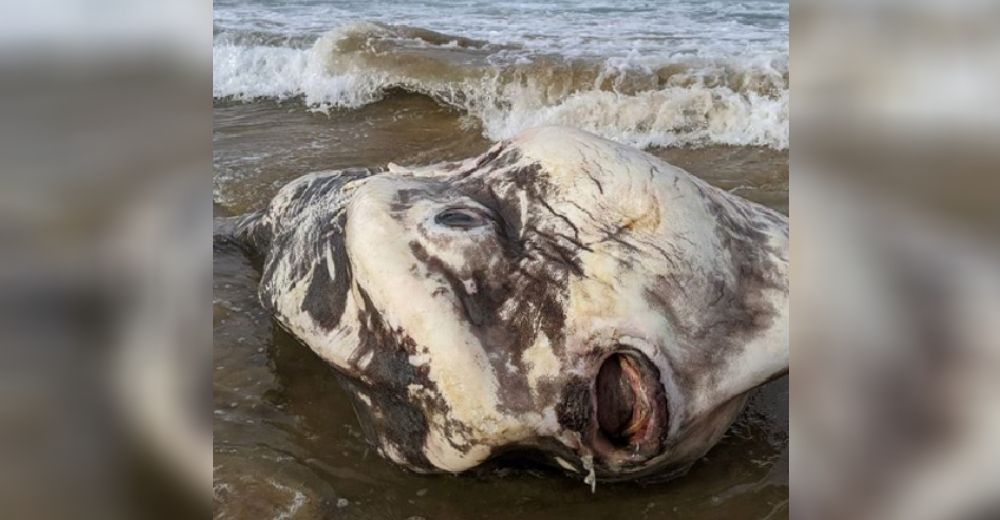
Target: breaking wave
point(682, 100)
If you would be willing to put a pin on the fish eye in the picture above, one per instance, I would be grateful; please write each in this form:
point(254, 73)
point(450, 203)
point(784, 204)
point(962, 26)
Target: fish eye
point(461, 218)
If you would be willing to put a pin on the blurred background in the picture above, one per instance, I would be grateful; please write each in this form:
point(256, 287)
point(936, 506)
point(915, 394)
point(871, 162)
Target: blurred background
point(895, 378)
point(105, 281)
point(105, 259)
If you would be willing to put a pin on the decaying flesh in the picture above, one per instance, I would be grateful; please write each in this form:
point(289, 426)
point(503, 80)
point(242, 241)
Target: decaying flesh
point(560, 294)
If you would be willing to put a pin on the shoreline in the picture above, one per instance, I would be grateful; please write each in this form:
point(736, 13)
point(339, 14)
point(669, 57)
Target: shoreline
point(259, 146)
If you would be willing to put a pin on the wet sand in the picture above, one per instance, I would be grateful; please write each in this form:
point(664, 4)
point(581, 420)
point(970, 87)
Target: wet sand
point(287, 444)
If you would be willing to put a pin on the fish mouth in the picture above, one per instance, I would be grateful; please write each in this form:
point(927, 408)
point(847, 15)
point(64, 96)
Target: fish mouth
point(630, 416)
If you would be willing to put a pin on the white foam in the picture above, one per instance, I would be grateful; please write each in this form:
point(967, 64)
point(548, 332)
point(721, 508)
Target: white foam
point(672, 116)
point(248, 73)
point(583, 28)
point(263, 52)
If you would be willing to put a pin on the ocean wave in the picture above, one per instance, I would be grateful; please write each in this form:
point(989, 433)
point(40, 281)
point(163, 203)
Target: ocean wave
point(642, 100)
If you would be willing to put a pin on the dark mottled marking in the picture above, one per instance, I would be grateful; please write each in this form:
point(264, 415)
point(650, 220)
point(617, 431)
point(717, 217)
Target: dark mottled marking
point(387, 377)
point(282, 227)
point(403, 198)
point(532, 278)
point(575, 405)
point(509, 158)
point(733, 313)
point(250, 231)
point(482, 312)
point(326, 297)
point(484, 159)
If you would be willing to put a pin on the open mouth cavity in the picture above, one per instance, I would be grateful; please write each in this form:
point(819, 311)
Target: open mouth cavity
point(631, 409)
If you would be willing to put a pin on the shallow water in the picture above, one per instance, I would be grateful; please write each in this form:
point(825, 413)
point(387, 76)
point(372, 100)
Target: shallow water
point(287, 444)
point(260, 146)
point(685, 72)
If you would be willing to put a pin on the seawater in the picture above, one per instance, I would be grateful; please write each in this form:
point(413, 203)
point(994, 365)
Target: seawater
point(685, 73)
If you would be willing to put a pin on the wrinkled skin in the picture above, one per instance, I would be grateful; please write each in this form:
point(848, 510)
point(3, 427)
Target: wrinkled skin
point(560, 294)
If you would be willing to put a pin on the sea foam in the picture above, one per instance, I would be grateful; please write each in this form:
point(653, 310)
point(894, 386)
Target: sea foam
point(637, 98)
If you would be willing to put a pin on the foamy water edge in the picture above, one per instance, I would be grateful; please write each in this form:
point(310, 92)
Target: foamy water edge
point(640, 100)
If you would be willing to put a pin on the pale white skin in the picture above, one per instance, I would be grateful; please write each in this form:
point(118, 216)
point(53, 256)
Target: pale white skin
point(657, 255)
